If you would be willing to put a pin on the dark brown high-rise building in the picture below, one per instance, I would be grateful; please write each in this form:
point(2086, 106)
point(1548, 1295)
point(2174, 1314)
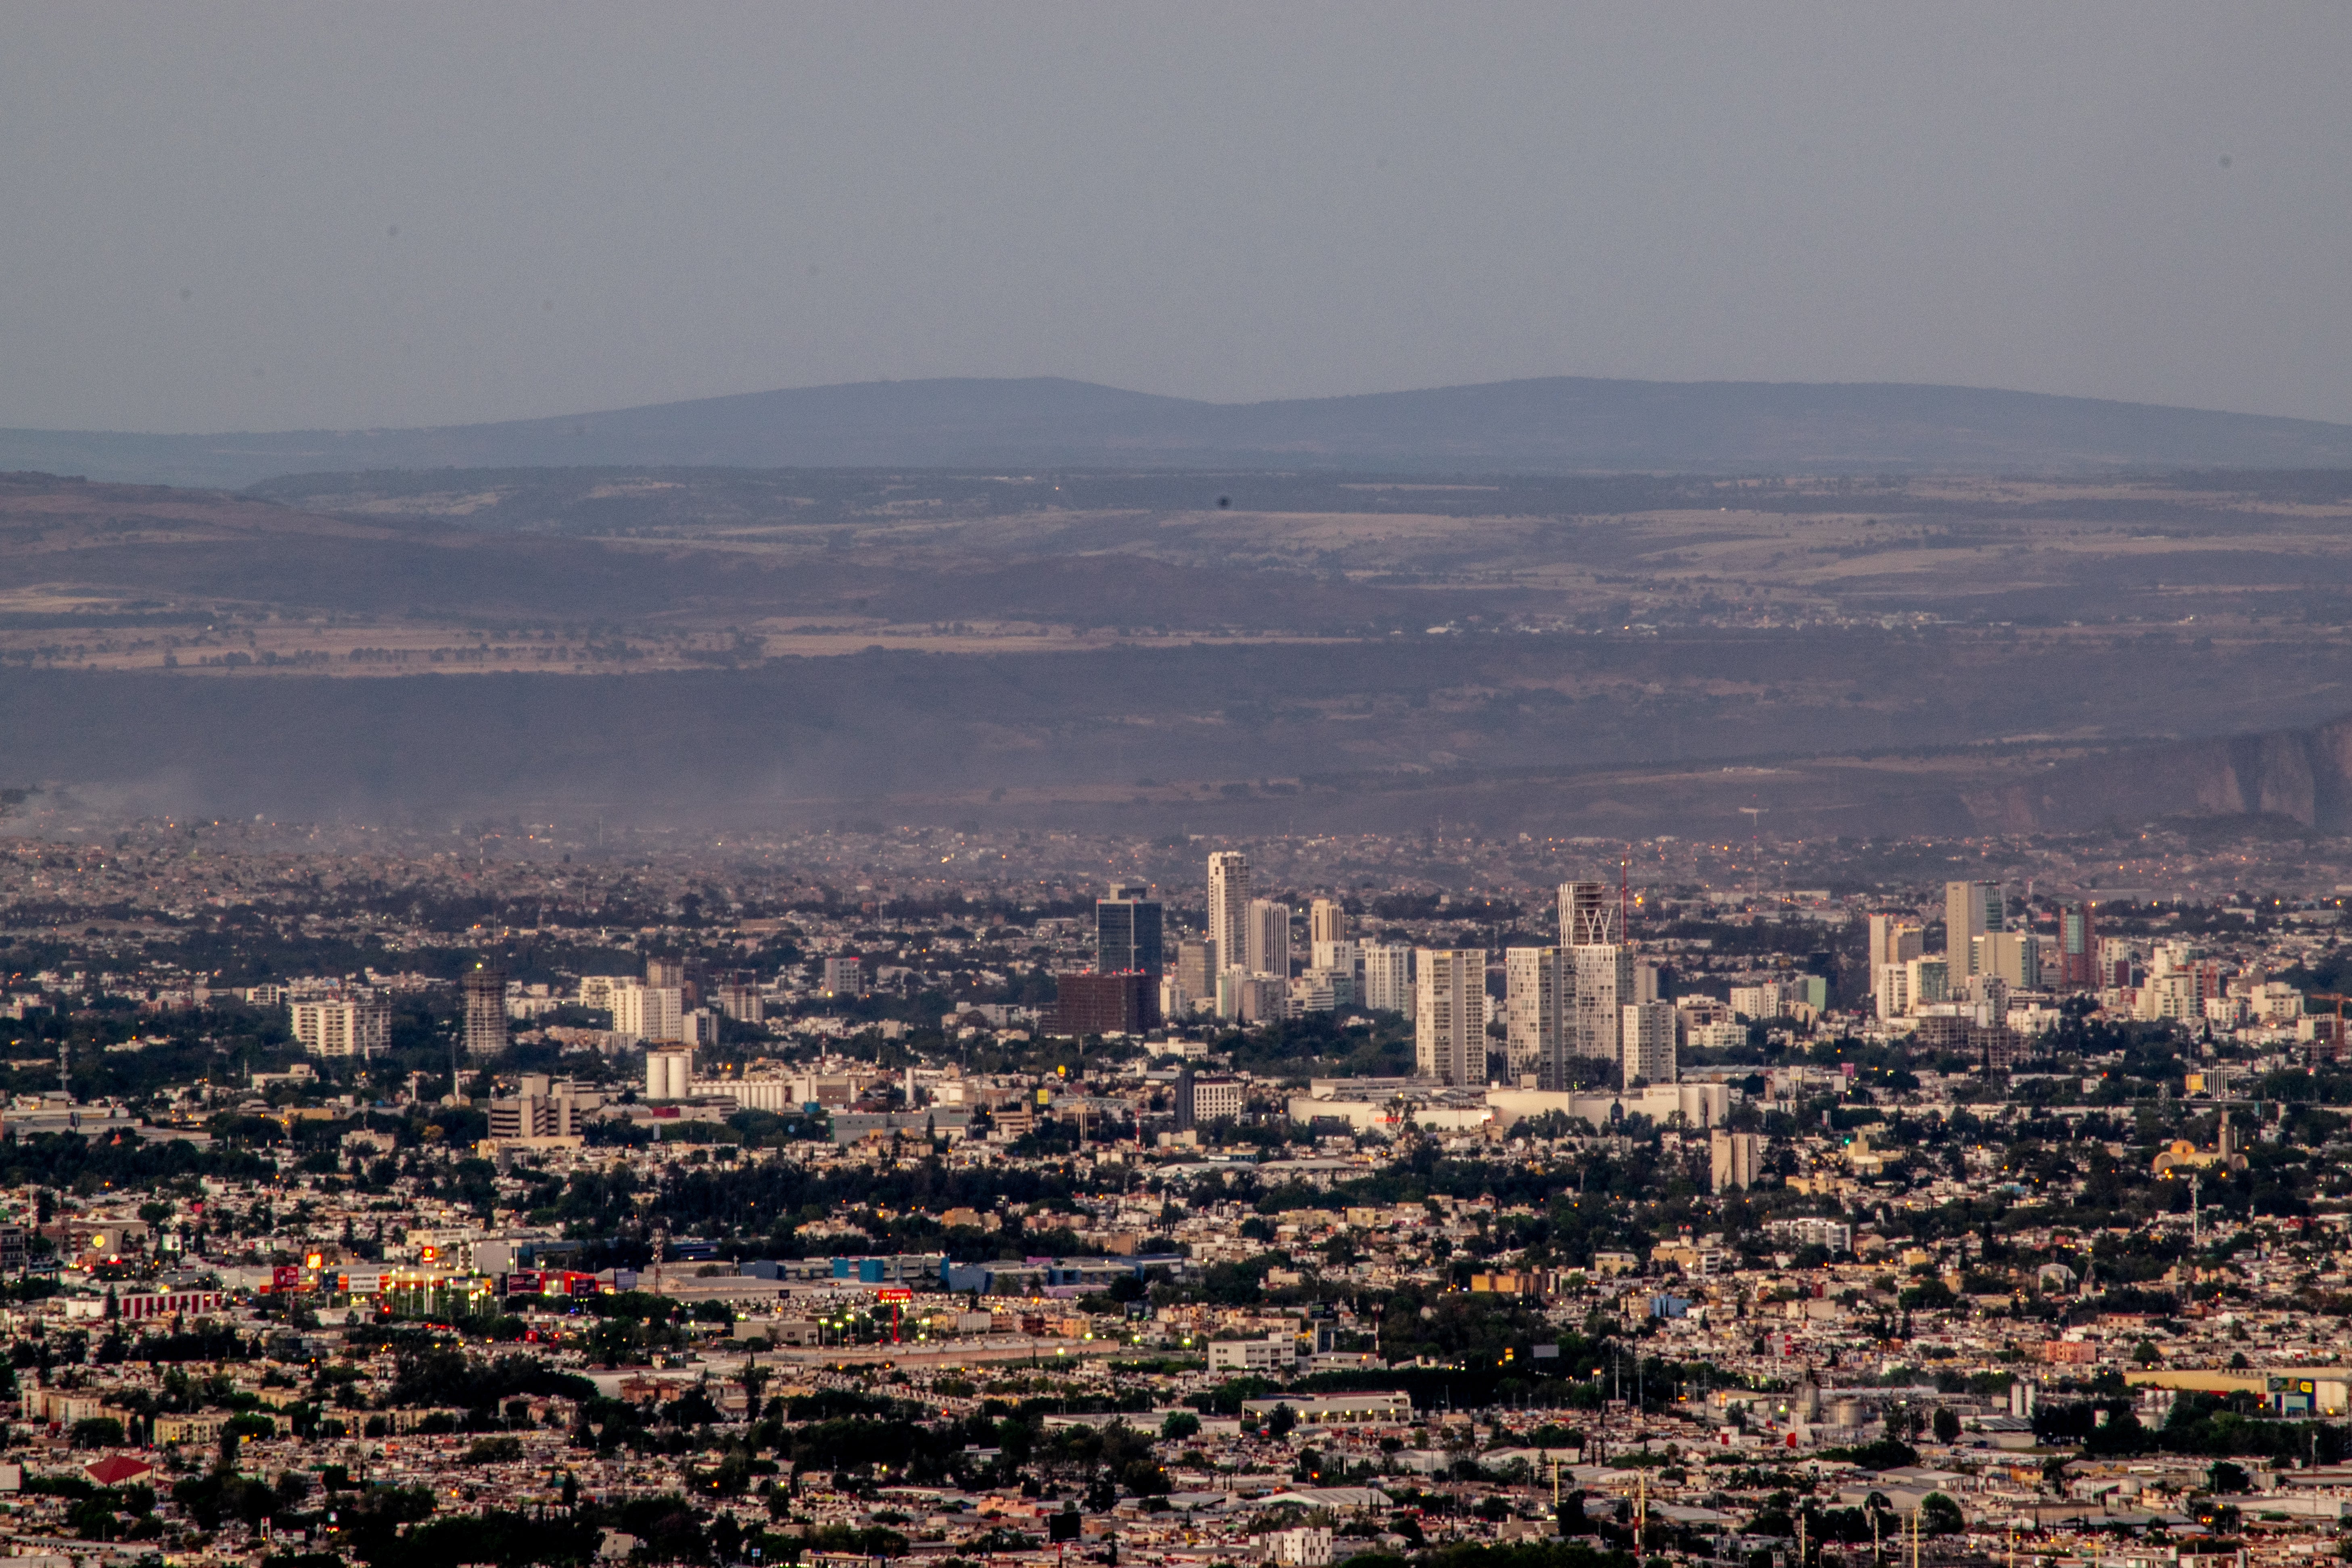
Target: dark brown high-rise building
point(1123, 1004)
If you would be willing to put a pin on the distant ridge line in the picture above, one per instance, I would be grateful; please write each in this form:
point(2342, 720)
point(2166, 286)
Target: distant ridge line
point(1557, 425)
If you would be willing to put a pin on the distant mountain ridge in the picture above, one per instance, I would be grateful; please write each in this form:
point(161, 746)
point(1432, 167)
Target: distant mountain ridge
point(1557, 425)
point(2302, 775)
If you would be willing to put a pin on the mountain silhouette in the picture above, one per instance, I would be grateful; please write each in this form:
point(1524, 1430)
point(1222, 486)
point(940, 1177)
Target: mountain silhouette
point(1558, 425)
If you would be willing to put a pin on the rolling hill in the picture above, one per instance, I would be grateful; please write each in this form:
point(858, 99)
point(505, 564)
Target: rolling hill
point(1559, 425)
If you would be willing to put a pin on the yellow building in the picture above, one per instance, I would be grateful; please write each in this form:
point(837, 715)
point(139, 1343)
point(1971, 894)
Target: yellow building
point(2182, 1155)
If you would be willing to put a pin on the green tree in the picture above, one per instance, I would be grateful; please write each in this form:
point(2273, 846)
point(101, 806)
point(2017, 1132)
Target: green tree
point(236, 1430)
point(98, 1432)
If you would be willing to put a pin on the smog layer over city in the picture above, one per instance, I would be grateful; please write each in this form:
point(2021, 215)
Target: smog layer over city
point(1534, 786)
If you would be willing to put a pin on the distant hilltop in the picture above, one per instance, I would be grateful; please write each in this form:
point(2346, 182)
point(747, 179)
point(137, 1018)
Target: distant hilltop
point(1561, 424)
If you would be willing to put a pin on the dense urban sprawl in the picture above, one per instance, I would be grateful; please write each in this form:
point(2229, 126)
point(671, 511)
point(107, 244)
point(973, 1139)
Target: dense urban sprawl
point(509, 1196)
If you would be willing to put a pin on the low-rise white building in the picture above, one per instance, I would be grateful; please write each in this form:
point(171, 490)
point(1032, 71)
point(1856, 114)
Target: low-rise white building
point(1276, 1352)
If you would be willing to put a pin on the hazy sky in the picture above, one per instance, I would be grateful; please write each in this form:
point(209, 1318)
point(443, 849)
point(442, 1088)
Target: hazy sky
point(242, 216)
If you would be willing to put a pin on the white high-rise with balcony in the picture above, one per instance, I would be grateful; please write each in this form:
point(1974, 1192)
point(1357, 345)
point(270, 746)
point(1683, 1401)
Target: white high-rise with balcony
point(1647, 1032)
point(1268, 937)
point(1229, 902)
point(643, 1012)
point(1538, 984)
point(1605, 986)
point(342, 1026)
point(1388, 977)
point(1449, 1022)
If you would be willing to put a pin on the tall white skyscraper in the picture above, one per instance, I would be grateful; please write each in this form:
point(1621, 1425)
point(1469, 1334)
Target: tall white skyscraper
point(1971, 909)
point(1537, 982)
point(1588, 915)
point(1388, 977)
point(1604, 988)
point(1449, 1019)
point(1266, 938)
point(1229, 898)
point(1603, 967)
point(1647, 1032)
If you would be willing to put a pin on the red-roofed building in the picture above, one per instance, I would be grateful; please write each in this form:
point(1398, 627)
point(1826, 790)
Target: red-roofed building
point(115, 1470)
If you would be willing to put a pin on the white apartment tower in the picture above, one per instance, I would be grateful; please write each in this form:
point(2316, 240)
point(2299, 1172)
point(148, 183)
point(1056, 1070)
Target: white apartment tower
point(1890, 988)
point(1604, 981)
point(1266, 938)
point(1647, 1031)
point(342, 1026)
point(1894, 941)
point(1229, 900)
point(1604, 988)
point(1538, 985)
point(646, 1012)
point(1970, 911)
point(1449, 1019)
point(1326, 920)
point(1388, 977)
point(1338, 955)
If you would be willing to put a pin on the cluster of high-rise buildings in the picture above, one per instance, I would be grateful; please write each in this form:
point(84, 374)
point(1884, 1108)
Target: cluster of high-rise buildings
point(664, 1006)
point(1987, 959)
point(1578, 1013)
point(1241, 967)
point(1994, 981)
